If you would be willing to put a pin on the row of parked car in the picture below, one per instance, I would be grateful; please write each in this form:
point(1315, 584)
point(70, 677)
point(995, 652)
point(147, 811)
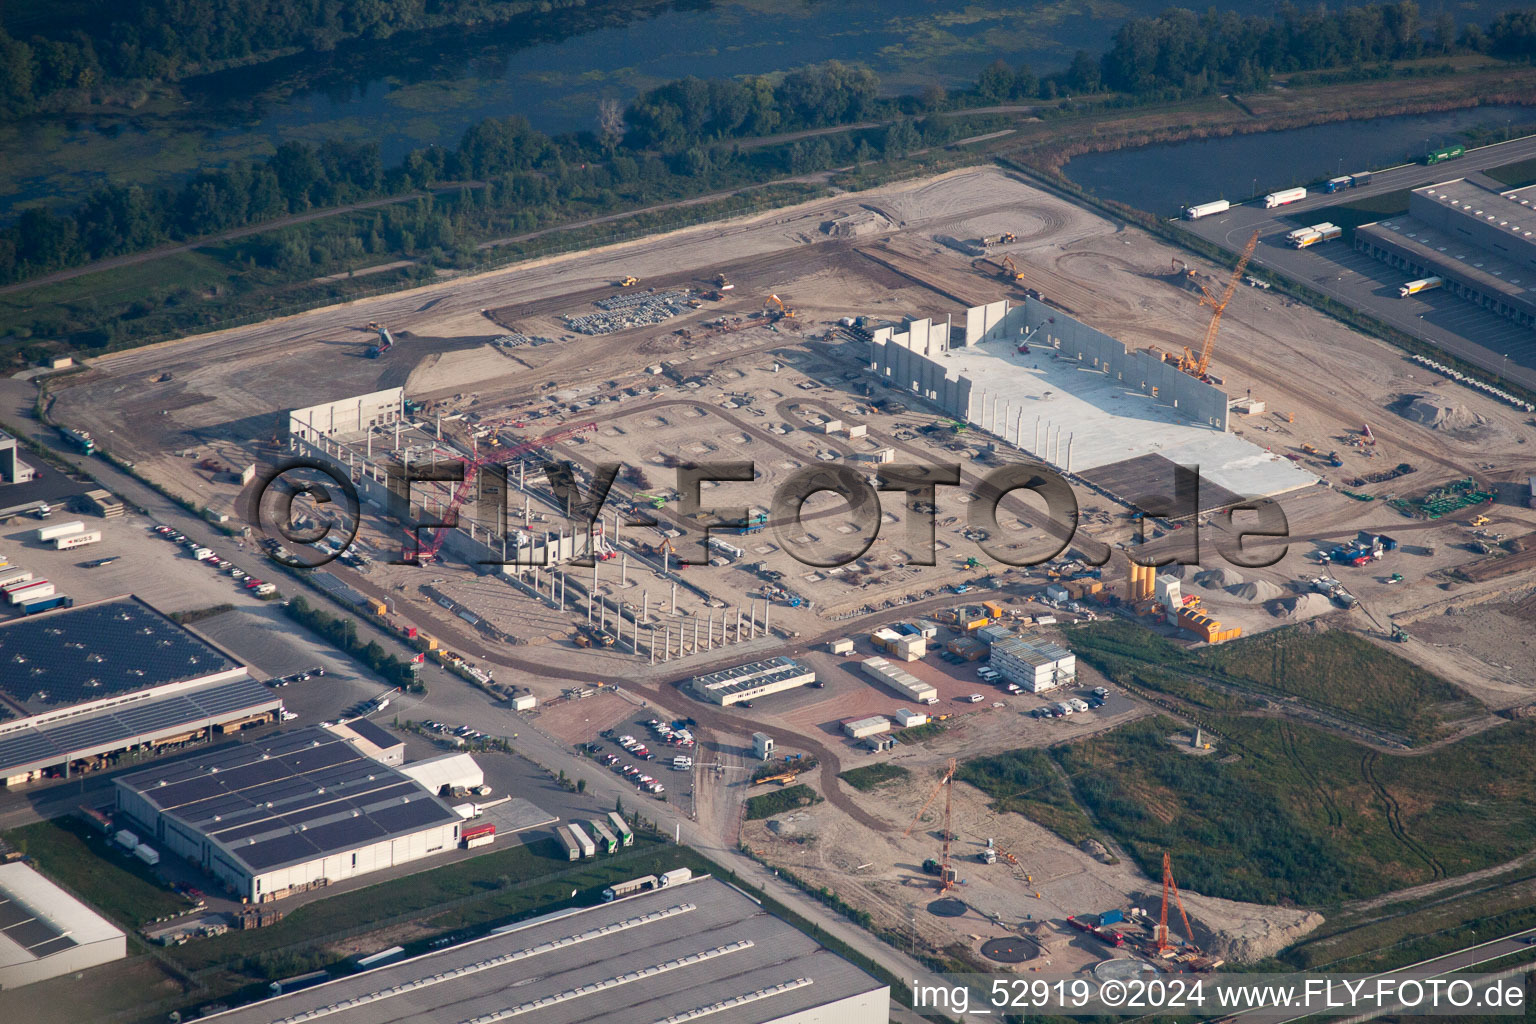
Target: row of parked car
point(259, 587)
point(1072, 705)
point(633, 774)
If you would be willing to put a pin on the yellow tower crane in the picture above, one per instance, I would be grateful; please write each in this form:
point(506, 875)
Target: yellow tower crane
point(1199, 367)
point(946, 783)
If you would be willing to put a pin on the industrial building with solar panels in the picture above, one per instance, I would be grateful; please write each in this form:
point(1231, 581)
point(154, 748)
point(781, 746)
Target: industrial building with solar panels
point(79, 686)
point(286, 813)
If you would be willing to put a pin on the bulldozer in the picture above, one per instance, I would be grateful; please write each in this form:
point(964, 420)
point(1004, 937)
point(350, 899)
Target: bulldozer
point(628, 281)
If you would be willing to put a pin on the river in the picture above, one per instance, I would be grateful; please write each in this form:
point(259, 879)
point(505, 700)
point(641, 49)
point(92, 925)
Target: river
point(554, 69)
point(1164, 179)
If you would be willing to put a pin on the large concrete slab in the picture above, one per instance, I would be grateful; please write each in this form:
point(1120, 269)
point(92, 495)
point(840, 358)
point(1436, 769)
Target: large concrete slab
point(1081, 419)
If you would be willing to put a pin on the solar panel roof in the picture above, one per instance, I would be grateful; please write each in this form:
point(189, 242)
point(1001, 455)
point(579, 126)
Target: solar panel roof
point(375, 734)
point(32, 933)
point(31, 746)
point(288, 797)
point(98, 650)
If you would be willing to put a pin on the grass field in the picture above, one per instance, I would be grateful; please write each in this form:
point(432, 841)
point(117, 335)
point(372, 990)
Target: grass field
point(1288, 813)
point(504, 884)
point(1028, 782)
point(873, 776)
point(1516, 175)
point(781, 800)
point(84, 861)
point(1338, 672)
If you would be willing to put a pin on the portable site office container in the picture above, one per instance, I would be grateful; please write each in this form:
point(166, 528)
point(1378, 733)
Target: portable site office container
point(626, 837)
point(607, 842)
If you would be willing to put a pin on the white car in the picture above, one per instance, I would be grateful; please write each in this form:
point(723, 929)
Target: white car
point(975, 698)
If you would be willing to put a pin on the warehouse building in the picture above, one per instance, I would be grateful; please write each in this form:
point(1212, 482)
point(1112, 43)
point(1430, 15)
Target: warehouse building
point(899, 679)
point(1033, 664)
point(81, 685)
point(750, 681)
point(46, 933)
point(1471, 233)
point(286, 813)
point(695, 951)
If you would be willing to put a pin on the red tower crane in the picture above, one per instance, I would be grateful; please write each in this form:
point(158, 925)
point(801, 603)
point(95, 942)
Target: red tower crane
point(422, 553)
point(1164, 947)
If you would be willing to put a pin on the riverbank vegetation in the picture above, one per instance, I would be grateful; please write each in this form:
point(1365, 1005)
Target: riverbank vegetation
point(311, 215)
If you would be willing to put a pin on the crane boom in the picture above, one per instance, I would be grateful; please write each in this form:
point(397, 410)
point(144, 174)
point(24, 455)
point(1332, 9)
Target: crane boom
point(1163, 945)
point(946, 783)
point(1204, 363)
point(461, 493)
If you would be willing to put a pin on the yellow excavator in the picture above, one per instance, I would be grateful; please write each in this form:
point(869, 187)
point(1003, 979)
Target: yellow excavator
point(629, 281)
point(783, 310)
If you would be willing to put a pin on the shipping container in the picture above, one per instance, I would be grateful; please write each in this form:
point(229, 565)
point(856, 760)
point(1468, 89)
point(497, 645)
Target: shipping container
point(588, 848)
point(620, 829)
point(1362, 178)
point(126, 839)
point(607, 842)
point(572, 851)
point(53, 530)
point(1284, 197)
point(77, 540)
point(676, 876)
point(1423, 284)
point(44, 604)
point(29, 592)
point(147, 854)
point(640, 884)
point(1206, 209)
point(297, 982)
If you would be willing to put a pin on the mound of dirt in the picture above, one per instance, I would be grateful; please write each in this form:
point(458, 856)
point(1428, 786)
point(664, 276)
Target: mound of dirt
point(1217, 579)
point(1302, 606)
point(1258, 590)
point(1242, 932)
point(1436, 415)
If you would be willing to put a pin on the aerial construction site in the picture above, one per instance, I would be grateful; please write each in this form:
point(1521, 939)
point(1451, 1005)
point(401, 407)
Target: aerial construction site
point(963, 751)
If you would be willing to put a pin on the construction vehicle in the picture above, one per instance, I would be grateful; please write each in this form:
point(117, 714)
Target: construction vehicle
point(421, 553)
point(1108, 936)
point(1480, 520)
point(973, 563)
point(1006, 238)
point(1160, 937)
point(1310, 449)
point(1200, 367)
point(1004, 268)
point(386, 341)
point(782, 778)
point(628, 281)
point(722, 284)
point(946, 871)
point(582, 640)
point(1399, 635)
point(783, 310)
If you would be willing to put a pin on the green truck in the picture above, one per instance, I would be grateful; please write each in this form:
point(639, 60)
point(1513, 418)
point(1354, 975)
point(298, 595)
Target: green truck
point(1447, 153)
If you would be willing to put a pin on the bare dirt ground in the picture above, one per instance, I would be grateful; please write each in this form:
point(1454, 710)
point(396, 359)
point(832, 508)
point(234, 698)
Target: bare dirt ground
point(759, 395)
point(882, 872)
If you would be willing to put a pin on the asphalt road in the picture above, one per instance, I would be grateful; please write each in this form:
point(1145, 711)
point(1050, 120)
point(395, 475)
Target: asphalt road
point(1455, 325)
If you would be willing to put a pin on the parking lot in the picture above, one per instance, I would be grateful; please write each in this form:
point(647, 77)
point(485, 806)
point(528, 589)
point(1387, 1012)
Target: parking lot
point(1455, 325)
